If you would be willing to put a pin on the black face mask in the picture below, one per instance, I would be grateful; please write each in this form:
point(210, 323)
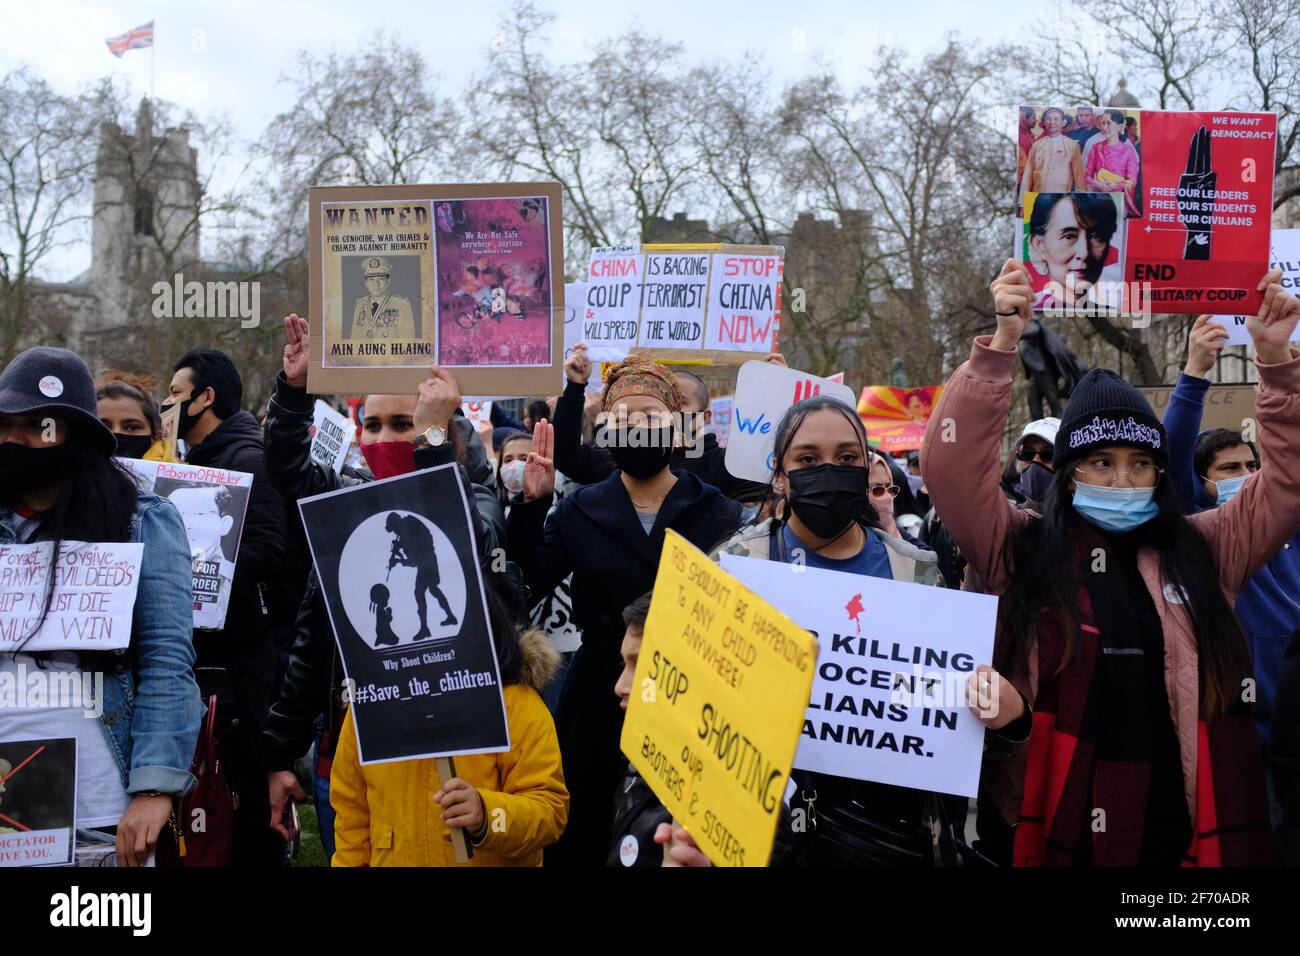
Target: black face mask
point(186, 421)
point(24, 469)
point(828, 498)
point(1035, 480)
point(642, 452)
point(132, 446)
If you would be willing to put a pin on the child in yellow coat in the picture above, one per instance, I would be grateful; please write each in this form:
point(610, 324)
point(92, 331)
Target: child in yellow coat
point(510, 805)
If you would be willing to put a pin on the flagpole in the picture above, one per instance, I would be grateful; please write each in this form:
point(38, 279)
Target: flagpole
point(153, 56)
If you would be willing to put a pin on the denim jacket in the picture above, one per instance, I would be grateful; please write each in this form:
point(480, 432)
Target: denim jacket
point(151, 706)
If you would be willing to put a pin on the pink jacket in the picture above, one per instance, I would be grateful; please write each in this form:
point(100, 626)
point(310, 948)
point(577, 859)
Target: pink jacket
point(962, 475)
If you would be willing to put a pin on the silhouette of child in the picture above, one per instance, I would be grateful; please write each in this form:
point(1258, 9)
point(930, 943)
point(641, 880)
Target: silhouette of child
point(384, 636)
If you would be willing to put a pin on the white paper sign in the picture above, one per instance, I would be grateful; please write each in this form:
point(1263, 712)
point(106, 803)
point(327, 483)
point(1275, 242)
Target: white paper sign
point(90, 608)
point(477, 412)
point(610, 320)
point(331, 437)
point(763, 393)
point(212, 503)
point(744, 302)
point(889, 696)
point(1284, 254)
point(673, 299)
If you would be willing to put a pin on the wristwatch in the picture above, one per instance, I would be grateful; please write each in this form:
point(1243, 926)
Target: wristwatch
point(435, 436)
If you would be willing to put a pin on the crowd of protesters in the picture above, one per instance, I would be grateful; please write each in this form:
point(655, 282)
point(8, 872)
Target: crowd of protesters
point(1163, 690)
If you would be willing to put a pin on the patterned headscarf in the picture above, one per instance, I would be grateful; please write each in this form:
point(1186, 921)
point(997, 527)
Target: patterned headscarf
point(639, 376)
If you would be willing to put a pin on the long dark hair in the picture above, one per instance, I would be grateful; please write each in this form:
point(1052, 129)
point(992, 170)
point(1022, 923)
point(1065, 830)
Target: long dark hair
point(505, 633)
point(786, 430)
point(96, 500)
point(115, 383)
point(1043, 570)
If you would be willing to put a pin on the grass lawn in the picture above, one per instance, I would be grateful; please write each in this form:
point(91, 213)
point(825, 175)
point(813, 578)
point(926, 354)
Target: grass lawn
point(311, 853)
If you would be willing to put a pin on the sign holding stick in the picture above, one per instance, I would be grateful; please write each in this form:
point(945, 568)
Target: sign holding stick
point(716, 704)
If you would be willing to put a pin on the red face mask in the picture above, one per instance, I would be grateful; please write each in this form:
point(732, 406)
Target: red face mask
point(387, 459)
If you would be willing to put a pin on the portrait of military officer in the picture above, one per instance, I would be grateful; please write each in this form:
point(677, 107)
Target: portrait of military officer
point(381, 314)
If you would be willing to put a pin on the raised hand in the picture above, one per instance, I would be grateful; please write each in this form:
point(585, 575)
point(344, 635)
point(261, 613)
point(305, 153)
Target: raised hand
point(1013, 298)
point(577, 367)
point(1274, 327)
point(1204, 344)
point(539, 468)
point(295, 352)
point(437, 399)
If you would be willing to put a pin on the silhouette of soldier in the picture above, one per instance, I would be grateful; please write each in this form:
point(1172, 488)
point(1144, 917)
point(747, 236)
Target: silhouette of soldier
point(413, 547)
point(384, 636)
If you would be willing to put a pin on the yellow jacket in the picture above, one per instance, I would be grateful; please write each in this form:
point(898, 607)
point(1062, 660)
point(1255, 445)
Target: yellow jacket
point(385, 814)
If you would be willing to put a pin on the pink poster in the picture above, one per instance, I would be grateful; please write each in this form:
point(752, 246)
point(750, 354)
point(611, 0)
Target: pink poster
point(494, 282)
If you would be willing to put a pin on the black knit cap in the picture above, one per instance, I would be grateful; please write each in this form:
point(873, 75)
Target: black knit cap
point(44, 380)
point(1105, 410)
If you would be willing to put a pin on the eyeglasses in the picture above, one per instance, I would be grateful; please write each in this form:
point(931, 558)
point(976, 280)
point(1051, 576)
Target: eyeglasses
point(1141, 474)
point(879, 491)
point(1042, 454)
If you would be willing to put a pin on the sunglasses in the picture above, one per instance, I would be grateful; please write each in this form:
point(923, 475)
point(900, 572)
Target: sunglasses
point(1029, 454)
point(879, 491)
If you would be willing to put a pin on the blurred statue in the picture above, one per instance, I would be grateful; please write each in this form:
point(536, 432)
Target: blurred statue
point(897, 377)
point(1051, 368)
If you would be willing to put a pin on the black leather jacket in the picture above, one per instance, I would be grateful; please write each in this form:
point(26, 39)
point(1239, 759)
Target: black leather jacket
point(312, 681)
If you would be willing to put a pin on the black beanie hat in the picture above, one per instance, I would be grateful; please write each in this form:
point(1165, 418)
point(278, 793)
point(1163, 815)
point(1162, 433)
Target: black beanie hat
point(55, 381)
point(1105, 410)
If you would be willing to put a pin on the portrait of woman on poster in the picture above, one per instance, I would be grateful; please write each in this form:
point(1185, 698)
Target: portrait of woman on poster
point(1112, 165)
point(1071, 249)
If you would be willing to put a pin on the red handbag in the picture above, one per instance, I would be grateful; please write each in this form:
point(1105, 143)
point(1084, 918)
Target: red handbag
point(203, 826)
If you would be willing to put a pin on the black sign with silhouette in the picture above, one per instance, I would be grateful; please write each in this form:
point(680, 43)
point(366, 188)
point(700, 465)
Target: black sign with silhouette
point(401, 579)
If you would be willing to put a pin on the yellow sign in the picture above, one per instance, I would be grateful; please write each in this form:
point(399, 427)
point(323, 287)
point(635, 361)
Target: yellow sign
point(721, 688)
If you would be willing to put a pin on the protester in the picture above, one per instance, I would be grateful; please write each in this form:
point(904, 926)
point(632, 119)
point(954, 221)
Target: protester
point(510, 805)
point(1032, 459)
point(881, 492)
point(609, 536)
point(511, 456)
point(60, 482)
point(396, 436)
point(127, 408)
point(644, 832)
point(219, 434)
point(823, 519)
point(700, 454)
point(1209, 471)
point(1119, 663)
point(534, 411)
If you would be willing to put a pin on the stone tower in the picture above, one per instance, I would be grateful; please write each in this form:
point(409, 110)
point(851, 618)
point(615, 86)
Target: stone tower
point(144, 226)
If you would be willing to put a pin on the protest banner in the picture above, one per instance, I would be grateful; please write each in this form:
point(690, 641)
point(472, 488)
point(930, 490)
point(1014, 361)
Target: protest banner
point(895, 418)
point(721, 686)
point(212, 503)
point(1284, 254)
point(888, 700)
point(412, 627)
point(465, 276)
point(575, 303)
point(90, 605)
point(720, 426)
point(38, 802)
point(711, 302)
point(331, 437)
point(1226, 406)
point(763, 393)
point(1201, 243)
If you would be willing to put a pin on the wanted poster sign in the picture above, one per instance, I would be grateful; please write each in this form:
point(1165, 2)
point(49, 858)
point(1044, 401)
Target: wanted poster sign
point(212, 503)
point(402, 584)
point(38, 802)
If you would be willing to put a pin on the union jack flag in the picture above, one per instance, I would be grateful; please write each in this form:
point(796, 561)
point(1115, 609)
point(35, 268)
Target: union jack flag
point(136, 39)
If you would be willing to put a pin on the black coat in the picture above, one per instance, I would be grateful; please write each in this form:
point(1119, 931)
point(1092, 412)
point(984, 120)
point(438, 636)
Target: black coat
point(595, 534)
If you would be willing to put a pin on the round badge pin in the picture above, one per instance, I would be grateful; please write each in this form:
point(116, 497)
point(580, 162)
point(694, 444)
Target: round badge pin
point(629, 850)
point(51, 386)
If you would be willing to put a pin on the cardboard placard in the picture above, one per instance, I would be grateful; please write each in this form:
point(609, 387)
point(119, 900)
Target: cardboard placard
point(469, 277)
point(719, 694)
point(889, 698)
point(763, 394)
point(91, 604)
point(404, 591)
point(212, 503)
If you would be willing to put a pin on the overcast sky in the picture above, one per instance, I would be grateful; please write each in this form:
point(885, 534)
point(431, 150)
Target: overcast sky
point(227, 56)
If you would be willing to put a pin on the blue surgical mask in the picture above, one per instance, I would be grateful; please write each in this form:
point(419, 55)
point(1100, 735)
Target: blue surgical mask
point(1115, 509)
point(1228, 488)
